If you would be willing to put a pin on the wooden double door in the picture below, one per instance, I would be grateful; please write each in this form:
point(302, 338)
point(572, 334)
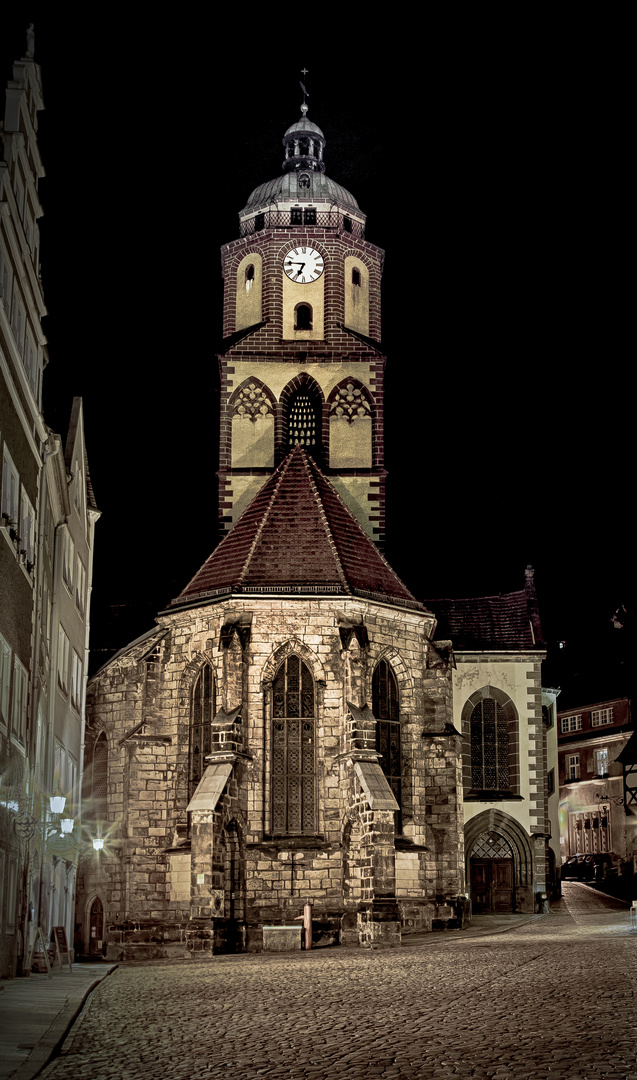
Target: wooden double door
point(492, 885)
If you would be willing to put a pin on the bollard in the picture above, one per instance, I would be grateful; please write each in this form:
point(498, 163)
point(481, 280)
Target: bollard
point(306, 918)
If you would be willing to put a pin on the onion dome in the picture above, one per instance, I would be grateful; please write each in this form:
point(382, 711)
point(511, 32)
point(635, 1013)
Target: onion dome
point(303, 180)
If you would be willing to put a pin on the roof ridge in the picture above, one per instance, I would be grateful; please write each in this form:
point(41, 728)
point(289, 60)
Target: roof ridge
point(364, 534)
point(305, 458)
point(283, 467)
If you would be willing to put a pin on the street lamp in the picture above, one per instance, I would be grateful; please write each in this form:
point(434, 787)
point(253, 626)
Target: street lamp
point(98, 843)
point(57, 802)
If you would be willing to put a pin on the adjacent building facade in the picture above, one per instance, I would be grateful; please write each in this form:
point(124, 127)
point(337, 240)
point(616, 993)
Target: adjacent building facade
point(299, 728)
point(46, 552)
point(596, 815)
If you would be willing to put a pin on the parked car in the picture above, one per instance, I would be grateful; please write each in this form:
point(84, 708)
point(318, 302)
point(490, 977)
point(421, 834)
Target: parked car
point(590, 867)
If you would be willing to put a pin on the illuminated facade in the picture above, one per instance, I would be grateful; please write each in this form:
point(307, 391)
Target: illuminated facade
point(592, 744)
point(46, 553)
point(298, 727)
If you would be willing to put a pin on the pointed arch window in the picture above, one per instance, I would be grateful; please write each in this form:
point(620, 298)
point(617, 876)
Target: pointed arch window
point(293, 737)
point(202, 711)
point(490, 747)
point(304, 422)
point(385, 707)
point(100, 779)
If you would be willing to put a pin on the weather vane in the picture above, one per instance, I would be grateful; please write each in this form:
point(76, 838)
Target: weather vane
point(304, 71)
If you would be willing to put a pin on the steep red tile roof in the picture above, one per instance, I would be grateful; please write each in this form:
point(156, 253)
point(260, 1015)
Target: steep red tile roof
point(506, 621)
point(297, 536)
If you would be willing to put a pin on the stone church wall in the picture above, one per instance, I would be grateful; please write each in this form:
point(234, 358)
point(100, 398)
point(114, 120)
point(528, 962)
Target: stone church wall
point(142, 702)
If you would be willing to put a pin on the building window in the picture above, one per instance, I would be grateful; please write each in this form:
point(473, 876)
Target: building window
point(489, 747)
point(68, 567)
point(293, 723)
point(303, 317)
point(571, 723)
point(309, 217)
point(347, 224)
point(550, 782)
point(27, 531)
point(76, 682)
point(602, 716)
point(10, 491)
point(80, 585)
point(386, 710)
point(63, 661)
point(304, 181)
point(98, 798)
point(202, 710)
point(5, 681)
point(249, 277)
point(259, 222)
point(572, 767)
point(296, 217)
point(19, 701)
point(601, 762)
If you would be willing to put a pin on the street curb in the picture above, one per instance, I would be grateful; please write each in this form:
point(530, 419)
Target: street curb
point(58, 1029)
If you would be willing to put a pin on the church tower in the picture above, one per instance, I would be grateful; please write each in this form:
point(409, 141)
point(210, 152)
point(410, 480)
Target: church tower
point(301, 363)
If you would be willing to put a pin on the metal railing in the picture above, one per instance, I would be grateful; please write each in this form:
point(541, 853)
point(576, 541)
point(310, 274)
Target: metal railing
point(286, 219)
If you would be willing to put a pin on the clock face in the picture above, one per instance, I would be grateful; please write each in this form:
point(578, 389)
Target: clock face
point(303, 264)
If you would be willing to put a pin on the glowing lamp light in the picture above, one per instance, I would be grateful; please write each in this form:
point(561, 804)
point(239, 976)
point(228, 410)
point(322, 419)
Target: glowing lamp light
point(98, 843)
point(57, 801)
point(66, 824)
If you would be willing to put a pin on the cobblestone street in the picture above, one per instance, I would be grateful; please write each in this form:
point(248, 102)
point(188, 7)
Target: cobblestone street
point(551, 1000)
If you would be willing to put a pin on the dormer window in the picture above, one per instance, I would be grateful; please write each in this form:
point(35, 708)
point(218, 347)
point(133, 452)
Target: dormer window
point(304, 180)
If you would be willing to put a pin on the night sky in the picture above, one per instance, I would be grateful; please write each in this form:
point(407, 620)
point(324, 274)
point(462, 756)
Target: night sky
point(487, 183)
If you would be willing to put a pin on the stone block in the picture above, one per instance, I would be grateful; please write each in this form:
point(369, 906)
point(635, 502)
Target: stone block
point(282, 938)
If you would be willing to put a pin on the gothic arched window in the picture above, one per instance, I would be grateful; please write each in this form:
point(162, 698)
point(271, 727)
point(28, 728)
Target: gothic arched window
point(303, 317)
point(202, 710)
point(304, 425)
point(489, 747)
point(293, 725)
point(99, 793)
point(385, 707)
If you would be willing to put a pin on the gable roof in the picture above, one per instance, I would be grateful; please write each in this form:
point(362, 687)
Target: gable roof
point(297, 536)
point(506, 621)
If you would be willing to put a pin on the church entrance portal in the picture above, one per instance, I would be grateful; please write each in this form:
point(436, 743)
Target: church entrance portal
point(491, 866)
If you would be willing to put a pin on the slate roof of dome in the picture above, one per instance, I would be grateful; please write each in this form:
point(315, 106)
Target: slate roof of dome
point(284, 187)
point(297, 536)
point(302, 126)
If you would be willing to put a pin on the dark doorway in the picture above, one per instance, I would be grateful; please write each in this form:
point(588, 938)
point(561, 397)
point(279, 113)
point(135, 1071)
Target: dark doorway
point(96, 928)
point(491, 885)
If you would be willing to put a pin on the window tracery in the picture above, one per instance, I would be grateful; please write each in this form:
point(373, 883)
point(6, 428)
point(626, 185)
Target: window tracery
point(293, 724)
point(201, 716)
point(385, 707)
point(351, 402)
point(253, 402)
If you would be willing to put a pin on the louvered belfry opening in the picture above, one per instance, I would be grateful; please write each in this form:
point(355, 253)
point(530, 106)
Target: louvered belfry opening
point(385, 707)
point(490, 768)
point(293, 715)
point(201, 717)
point(304, 423)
